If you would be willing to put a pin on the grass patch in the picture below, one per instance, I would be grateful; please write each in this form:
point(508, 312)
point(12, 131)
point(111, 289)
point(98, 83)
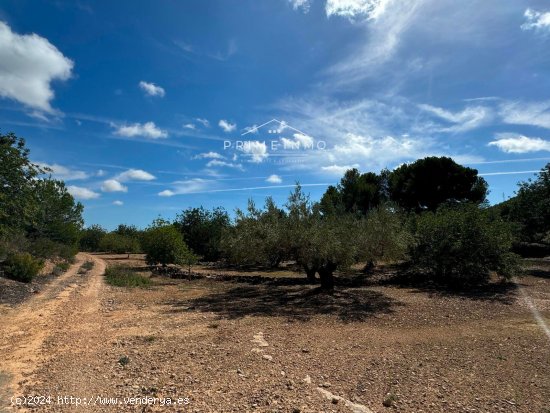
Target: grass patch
point(87, 266)
point(60, 268)
point(122, 276)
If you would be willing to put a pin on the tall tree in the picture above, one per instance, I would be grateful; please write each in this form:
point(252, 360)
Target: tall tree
point(430, 182)
point(17, 181)
point(202, 230)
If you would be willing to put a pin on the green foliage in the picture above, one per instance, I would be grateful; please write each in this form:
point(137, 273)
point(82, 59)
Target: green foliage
point(119, 244)
point(163, 244)
point(87, 266)
point(90, 238)
point(39, 210)
point(17, 179)
point(529, 210)
point(22, 267)
point(58, 217)
point(356, 193)
point(433, 181)
point(258, 236)
point(461, 245)
point(386, 236)
point(122, 276)
point(47, 248)
point(202, 230)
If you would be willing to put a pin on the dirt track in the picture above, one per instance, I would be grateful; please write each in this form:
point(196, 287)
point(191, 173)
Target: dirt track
point(236, 347)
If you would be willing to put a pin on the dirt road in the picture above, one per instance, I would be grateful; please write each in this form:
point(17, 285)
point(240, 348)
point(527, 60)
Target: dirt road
point(67, 308)
point(212, 346)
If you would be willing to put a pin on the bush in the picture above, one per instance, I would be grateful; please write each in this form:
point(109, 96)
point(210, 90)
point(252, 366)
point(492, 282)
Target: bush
point(119, 244)
point(22, 267)
point(461, 245)
point(46, 248)
point(164, 245)
point(122, 276)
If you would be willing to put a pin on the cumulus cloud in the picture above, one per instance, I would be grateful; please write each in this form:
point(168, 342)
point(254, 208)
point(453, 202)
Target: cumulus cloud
point(256, 149)
point(536, 20)
point(82, 193)
point(352, 9)
point(190, 126)
point(146, 130)
point(135, 175)
point(512, 143)
point(187, 187)
point(227, 126)
point(63, 173)
point(112, 185)
point(300, 141)
point(274, 179)
point(151, 89)
point(302, 5)
point(29, 65)
point(118, 203)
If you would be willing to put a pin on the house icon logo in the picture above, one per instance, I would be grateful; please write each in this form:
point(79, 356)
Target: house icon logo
point(276, 128)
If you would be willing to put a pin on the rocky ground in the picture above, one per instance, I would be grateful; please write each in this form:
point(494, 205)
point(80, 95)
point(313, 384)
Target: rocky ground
point(217, 344)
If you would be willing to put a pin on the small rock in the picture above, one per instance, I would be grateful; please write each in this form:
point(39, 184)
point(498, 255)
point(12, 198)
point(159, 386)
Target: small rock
point(267, 357)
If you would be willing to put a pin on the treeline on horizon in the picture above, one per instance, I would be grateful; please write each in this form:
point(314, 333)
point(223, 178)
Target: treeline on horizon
point(430, 215)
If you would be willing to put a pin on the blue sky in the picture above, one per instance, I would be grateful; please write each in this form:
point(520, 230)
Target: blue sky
point(147, 108)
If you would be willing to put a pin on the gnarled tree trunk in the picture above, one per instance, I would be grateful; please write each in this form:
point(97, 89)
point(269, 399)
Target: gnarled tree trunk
point(327, 278)
point(310, 273)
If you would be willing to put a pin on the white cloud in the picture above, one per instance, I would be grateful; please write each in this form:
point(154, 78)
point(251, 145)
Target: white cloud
point(216, 162)
point(151, 89)
point(338, 170)
point(112, 185)
point(227, 126)
point(166, 193)
point(470, 118)
point(512, 143)
point(303, 5)
point(351, 9)
point(274, 179)
point(209, 155)
point(190, 126)
point(82, 193)
point(118, 203)
point(135, 175)
point(536, 20)
point(203, 122)
point(146, 130)
point(256, 149)
point(187, 187)
point(300, 141)
point(29, 64)
point(522, 113)
point(63, 173)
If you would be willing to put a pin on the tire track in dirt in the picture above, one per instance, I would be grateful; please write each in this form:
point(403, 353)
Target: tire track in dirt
point(26, 327)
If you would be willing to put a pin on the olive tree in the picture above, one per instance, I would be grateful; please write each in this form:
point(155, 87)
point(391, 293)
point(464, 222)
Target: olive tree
point(163, 244)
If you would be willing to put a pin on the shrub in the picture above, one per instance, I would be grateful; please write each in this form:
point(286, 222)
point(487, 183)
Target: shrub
point(461, 245)
point(46, 248)
point(164, 245)
point(122, 276)
point(22, 267)
point(119, 244)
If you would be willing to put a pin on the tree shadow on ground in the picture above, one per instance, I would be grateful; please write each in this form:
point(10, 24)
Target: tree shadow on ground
point(494, 290)
point(291, 301)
